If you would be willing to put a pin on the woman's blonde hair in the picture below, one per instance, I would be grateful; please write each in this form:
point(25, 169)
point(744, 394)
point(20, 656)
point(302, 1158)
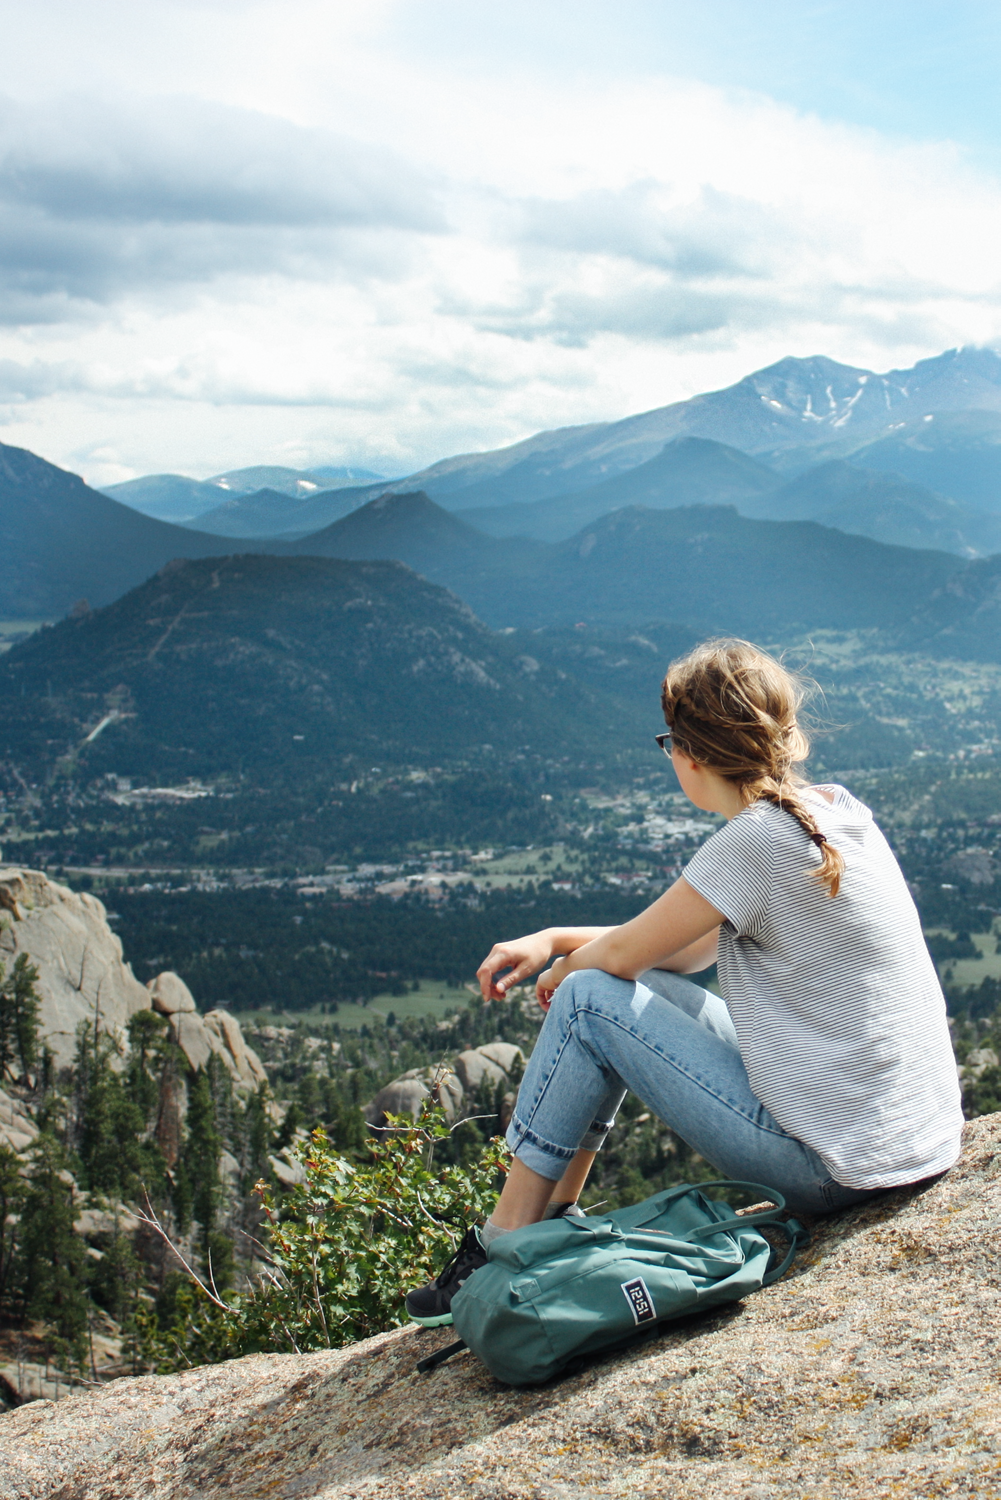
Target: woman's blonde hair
point(733, 708)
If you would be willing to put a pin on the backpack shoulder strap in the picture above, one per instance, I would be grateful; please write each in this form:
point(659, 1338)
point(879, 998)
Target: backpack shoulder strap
point(432, 1361)
point(792, 1228)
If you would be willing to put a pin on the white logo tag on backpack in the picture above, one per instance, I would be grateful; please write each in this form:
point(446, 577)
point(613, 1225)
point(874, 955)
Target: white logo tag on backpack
point(639, 1299)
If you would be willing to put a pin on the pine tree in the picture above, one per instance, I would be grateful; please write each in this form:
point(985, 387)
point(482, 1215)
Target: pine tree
point(12, 1190)
point(202, 1150)
point(19, 1005)
point(149, 1046)
point(117, 1156)
point(53, 1256)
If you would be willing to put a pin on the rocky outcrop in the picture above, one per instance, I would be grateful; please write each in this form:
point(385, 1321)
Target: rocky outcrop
point(81, 972)
point(17, 1128)
point(870, 1371)
point(169, 995)
point(82, 976)
point(200, 1036)
point(492, 1063)
point(227, 1039)
point(406, 1094)
point(473, 1069)
point(506, 1055)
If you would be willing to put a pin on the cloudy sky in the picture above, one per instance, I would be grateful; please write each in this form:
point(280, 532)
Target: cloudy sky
point(378, 233)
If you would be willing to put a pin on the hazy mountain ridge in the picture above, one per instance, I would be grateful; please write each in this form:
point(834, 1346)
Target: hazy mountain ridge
point(175, 497)
point(794, 404)
point(270, 514)
point(64, 541)
point(880, 505)
point(687, 471)
point(61, 541)
point(866, 502)
point(705, 566)
point(780, 414)
point(956, 453)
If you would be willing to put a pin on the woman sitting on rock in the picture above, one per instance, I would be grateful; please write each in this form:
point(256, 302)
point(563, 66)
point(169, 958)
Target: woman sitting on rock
point(826, 1071)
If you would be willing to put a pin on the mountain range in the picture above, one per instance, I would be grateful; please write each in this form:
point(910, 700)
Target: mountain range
point(271, 513)
point(705, 566)
point(61, 541)
point(674, 523)
point(174, 497)
point(788, 415)
point(936, 427)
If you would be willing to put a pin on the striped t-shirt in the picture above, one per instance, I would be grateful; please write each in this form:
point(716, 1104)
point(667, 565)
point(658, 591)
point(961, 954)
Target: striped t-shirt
point(837, 1007)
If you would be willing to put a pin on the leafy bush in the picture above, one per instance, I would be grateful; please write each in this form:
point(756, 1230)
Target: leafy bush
point(343, 1247)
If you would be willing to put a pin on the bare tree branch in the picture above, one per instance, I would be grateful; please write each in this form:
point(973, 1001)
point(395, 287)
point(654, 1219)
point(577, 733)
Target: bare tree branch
point(151, 1219)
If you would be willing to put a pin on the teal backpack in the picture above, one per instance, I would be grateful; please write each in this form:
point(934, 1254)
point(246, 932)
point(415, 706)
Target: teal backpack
point(569, 1287)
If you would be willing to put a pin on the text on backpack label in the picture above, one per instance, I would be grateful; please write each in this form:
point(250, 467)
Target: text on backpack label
point(639, 1299)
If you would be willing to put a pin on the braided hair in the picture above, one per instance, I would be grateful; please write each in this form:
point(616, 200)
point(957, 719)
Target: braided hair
point(733, 708)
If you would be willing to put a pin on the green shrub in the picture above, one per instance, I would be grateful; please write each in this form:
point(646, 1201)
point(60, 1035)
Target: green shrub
point(342, 1248)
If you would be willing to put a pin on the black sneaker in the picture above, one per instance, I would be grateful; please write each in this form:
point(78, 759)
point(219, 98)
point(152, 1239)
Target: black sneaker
point(431, 1305)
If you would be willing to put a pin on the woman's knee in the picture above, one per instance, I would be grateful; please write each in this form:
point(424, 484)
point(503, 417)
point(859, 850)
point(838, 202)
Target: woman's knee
point(592, 989)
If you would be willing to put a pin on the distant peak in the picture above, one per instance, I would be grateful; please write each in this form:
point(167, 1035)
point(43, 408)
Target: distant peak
point(812, 365)
point(408, 500)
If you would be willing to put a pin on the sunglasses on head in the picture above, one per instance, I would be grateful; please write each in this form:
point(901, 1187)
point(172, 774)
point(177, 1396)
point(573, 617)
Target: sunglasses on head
point(664, 741)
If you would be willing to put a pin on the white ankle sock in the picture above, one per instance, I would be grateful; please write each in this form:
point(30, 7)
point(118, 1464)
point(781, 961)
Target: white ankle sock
point(490, 1231)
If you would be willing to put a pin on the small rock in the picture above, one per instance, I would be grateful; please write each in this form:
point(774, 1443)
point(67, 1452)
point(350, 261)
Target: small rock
point(472, 1067)
point(17, 1128)
point(170, 995)
point(978, 1061)
point(289, 1173)
point(504, 1054)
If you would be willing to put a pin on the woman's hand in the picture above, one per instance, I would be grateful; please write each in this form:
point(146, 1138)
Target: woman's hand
point(547, 984)
point(523, 956)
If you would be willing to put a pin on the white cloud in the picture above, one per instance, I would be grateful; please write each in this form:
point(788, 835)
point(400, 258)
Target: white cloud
point(96, 201)
point(329, 248)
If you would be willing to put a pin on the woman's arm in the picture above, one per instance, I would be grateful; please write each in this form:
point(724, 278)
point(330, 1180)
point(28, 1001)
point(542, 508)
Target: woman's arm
point(677, 932)
point(527, 955)
point(696, 957)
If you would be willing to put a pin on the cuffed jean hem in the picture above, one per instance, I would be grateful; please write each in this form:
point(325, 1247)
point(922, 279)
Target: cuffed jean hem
point(546, 1157)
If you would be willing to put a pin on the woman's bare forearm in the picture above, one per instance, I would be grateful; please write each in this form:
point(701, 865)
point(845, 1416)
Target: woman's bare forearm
point(673, 931)
point(524, 956)
point(569, 939)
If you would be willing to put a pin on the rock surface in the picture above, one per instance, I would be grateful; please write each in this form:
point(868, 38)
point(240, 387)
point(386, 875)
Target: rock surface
point(17, 1128)
point(406, 1094)
point(242, 1061)
point(219, 1032)
point(82, 976)
point(473, 1067)
point(505, 1054)
point(870, 1371)
point(170, 995)
point(81, 972)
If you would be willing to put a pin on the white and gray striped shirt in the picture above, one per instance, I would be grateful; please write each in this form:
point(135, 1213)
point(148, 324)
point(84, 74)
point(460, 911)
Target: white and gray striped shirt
point(837, 1007)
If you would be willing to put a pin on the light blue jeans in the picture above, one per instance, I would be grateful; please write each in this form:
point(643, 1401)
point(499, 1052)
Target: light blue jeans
point(674, 1045)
